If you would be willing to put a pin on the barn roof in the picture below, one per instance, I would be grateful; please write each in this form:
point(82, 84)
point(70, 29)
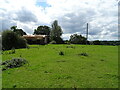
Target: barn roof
point(34, 36)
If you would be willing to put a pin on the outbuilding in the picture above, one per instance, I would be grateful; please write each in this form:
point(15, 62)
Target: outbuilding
point(36, 39)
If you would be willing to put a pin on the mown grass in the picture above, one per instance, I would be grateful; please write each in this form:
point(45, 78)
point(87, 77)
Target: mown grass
point(48, 69)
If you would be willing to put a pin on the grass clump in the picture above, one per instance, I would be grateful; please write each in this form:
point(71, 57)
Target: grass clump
point(83, 54)
point(13, 63)
point(14, 86)
point(61, 61)
point(102, 60)
point(61, 53)
point(70, 47)
point(12, 51)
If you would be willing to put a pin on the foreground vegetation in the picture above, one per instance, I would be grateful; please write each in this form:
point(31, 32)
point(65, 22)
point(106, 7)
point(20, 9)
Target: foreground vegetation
point(63, 66)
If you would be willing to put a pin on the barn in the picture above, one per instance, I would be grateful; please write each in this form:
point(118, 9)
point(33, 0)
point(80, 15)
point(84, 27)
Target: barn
point(36, 39)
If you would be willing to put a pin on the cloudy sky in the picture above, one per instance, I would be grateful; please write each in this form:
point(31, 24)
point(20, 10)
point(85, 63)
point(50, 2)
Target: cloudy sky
point(72, 16)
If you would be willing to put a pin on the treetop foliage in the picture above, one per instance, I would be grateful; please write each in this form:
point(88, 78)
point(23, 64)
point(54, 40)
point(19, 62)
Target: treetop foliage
point(56, 32)
point(11, 40)
point(42, 30)
point(18, 31)
point(77, 39)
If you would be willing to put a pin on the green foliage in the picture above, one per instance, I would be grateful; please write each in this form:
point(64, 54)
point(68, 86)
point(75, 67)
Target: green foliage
point(58, 40)
point(56, 32)
point(56, 29)
point(67, 42)
point(61, 53)
point(77, 39)
point(18, 31)
point(13, 28)
point(12, 51)
point(22, 43)
point(109, 43)
point(11, 40)
point(42, 30)
point(83, 54)
point(96, 42)
point(14, 86)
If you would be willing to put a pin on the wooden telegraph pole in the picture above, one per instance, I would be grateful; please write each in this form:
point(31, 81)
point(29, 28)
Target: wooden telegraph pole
point(87, 34)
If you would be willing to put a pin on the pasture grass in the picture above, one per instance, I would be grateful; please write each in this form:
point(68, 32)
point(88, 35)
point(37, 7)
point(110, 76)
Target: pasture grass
point(48, 69)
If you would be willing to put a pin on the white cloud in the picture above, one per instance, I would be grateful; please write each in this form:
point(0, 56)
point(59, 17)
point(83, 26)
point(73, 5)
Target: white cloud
point(72, 16)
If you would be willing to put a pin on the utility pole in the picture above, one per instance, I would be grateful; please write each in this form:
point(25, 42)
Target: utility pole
point(87, 34)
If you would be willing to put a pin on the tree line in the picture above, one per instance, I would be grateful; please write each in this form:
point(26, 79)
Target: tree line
point(13, 38)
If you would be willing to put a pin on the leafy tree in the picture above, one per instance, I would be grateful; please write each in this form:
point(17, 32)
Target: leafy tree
point(18, 31)
point(42, 30)
point(13, 28)
point(96, 42)
point(11, 40)
point(22, 43)
point(67, 42)
point(56, 32)
point(77, 39)
point(58, 40)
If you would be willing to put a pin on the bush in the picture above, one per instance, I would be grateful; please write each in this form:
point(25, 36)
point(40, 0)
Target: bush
point(96, 42)
point(83, 54)
point(22, 43)
point(11, 40)
point(12, 51)
point(61, 53)
point(77, 39)
point(58, 40)
point(16, 62)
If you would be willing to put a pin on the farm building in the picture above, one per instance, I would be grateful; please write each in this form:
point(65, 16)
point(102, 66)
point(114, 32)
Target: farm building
point(36, 39)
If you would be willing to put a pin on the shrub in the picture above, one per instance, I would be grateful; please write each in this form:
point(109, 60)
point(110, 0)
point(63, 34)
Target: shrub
point(22, 43)
point(83, 54)
point(12, 51)
point(77, 39)
point(96, 42)
point(10, 39)
point(61, 53)
point(16, 62)
point(58, 40)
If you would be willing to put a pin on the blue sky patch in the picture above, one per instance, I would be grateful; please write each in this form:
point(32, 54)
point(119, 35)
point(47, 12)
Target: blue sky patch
point(43, 4)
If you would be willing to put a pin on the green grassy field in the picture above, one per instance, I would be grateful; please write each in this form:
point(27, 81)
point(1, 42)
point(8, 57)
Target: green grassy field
point(48, 69)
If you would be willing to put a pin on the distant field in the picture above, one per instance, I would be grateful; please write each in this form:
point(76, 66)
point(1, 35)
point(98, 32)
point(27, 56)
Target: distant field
point(50, 70)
